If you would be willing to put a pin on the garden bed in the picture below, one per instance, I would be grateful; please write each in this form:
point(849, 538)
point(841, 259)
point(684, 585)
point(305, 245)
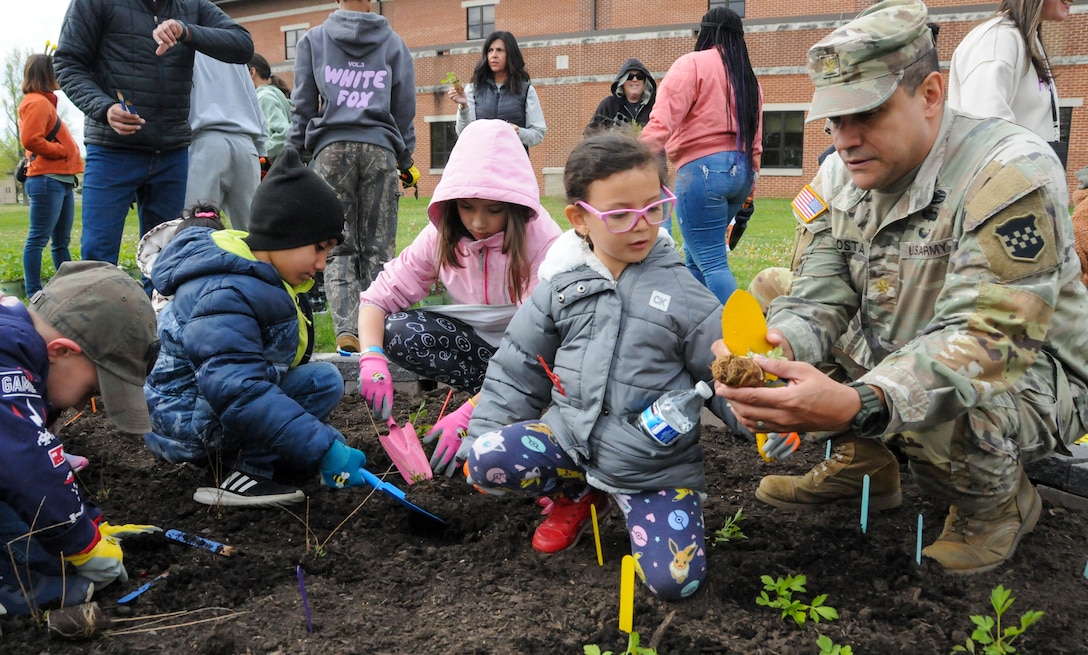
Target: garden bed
point(386, 580)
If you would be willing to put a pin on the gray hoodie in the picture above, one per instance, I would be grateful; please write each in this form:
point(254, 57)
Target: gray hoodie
point(354, 81)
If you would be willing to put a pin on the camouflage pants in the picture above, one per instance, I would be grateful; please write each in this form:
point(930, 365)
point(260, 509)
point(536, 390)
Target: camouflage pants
point(365, 179)
point(977, 457)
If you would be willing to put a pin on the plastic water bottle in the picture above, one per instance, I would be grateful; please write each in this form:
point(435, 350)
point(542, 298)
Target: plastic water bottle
point(675, 413)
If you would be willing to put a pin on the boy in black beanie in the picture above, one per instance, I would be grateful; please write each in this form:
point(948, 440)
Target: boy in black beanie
point(233, 382)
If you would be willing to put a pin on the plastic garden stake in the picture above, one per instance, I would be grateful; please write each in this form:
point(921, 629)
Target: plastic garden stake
point(402, 445)
point(596, 533)
point(918, 547)
point(865, 503)
point(627, 593)
point(744, 331)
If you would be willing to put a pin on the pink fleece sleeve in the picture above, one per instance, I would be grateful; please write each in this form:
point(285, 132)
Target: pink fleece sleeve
point(408, 277)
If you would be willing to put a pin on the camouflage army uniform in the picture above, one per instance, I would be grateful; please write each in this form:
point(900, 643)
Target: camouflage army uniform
point(969, 299)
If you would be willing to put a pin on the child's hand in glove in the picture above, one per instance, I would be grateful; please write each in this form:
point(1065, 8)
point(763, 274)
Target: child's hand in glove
point(102, 564)
point(376, 384)
point(450, 432)
point(340, 466)
point(779, 446)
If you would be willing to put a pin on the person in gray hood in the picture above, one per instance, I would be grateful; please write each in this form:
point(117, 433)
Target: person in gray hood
point(355, 103)
point(633, 94)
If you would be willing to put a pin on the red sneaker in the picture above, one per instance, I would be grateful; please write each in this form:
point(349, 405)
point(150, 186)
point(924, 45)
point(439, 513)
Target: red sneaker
point(567, 520)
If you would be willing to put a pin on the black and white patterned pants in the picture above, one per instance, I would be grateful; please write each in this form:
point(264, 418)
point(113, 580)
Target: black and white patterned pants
point(437, 347)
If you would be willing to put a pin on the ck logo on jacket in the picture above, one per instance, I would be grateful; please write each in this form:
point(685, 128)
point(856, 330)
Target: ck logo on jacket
point(660, 300)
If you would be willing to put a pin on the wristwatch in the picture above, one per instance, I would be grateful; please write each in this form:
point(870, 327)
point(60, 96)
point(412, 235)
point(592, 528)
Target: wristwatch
point(872, 418)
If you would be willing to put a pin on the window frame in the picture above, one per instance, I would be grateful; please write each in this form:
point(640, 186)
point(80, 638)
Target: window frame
point(776, 157)
point(728, 4)
point(289, 48)
point(481, 23)
point(448, 124)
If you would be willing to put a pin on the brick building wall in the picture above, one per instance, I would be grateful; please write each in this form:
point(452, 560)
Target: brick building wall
point(573, 49)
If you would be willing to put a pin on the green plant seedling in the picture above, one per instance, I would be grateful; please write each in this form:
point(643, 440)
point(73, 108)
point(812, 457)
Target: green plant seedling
point(988, 633)
point(421, 412)
point(731, 530)
point(828, 647)
point(632, 648)
point(784, 588)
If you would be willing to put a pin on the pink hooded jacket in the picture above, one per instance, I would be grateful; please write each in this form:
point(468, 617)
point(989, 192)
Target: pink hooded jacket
point(488, 162)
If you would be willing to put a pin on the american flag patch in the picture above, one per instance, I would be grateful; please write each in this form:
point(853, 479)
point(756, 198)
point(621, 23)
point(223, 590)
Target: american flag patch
point(808, 205)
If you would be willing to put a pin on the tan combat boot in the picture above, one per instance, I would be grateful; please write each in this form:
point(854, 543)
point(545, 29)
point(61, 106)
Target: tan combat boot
point(976, 542)
point(839, 479)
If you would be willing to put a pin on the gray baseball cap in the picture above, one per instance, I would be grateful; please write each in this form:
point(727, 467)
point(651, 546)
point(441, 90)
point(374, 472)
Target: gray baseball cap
point(857, 67)
point(109, 316)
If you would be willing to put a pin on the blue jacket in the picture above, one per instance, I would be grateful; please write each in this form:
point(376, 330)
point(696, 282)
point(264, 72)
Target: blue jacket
point(228, 336)
point(35, 479)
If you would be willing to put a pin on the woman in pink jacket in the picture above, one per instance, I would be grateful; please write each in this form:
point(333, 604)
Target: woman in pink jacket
point(709, 120)
point(488, 234)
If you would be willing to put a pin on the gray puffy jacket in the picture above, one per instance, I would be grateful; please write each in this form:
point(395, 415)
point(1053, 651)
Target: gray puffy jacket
point(616, 346)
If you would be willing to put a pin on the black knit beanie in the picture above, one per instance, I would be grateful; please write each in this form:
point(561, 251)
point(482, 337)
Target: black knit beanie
point(293, 207)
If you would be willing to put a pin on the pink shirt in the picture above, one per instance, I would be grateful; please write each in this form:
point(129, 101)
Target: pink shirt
point(692, 117)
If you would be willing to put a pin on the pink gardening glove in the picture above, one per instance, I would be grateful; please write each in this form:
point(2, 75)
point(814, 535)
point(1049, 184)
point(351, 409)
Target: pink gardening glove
point(376, 384)
point(449, 431)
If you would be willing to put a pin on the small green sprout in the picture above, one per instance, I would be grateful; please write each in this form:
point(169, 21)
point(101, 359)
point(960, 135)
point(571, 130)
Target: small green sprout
point(731, 530)
point(988, 633)
point(784, 588)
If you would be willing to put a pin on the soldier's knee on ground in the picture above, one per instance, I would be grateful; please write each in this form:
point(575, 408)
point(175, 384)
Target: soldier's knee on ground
point(769, 284)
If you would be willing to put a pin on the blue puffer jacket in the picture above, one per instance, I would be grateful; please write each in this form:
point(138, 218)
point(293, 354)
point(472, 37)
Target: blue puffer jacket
point(228, 336)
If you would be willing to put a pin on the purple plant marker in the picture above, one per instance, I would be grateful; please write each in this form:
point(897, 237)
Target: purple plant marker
point(305, 601)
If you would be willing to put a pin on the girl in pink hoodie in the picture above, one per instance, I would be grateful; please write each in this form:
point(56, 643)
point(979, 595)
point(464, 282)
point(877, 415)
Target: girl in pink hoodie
point(488, 234)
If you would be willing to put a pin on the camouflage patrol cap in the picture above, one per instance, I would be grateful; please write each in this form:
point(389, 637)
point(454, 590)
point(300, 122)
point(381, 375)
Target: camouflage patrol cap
point(858, 66)
point(107, 314)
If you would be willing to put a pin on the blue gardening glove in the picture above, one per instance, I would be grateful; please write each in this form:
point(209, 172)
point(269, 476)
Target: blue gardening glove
point(780, 446)
point(450, 432)
point(340, 466)
point(376, 384)
point(102, 564)
point(126, 530)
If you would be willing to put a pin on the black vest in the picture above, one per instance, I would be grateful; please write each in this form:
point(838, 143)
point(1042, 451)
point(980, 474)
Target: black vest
point(496, 102)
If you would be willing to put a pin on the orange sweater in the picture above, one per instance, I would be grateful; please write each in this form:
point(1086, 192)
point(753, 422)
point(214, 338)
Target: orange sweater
point(37, 115)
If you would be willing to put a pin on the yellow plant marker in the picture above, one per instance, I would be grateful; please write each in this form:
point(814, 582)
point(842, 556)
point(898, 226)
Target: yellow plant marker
point(627, 592)
point(744, 330)
point(596, 533)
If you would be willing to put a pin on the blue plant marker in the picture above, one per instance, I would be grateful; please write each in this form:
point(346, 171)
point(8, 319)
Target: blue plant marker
point(1086, 570)
point(305, 601)
point(918, 548)
point(827, 455)
point(864, 503)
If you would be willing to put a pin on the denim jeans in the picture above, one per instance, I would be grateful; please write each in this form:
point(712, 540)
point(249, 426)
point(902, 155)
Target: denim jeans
point(17, 545)
point(52, 211)
point(113, 178)
point(317, 387)
point(709, 191)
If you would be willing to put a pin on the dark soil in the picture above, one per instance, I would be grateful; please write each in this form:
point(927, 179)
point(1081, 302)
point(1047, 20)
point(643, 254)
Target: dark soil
point(382, 579)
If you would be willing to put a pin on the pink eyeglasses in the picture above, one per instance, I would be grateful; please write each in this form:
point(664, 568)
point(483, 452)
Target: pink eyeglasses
point(619, 221)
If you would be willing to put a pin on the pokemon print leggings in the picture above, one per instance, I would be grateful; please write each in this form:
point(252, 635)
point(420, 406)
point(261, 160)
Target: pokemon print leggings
point(438, 347)
point(665, 526)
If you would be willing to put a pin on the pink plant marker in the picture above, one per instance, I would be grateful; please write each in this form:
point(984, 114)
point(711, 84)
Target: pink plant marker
point(402, 445)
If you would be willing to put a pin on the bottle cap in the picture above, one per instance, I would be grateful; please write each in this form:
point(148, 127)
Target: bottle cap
point(703, 389)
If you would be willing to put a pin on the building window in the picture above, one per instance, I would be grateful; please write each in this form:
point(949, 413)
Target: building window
point(481, 21)
point(783, 139)
point(290, 40)
point(443, 136)
point(735, 5)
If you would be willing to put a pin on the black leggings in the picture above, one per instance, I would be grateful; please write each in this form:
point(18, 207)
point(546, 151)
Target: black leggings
point(438, 347)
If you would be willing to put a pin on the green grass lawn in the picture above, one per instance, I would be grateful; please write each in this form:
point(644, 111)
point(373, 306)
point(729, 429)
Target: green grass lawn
point(768, 242)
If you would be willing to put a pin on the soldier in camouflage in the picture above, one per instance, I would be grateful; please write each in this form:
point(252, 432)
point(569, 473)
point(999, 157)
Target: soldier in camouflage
point(950, 235)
